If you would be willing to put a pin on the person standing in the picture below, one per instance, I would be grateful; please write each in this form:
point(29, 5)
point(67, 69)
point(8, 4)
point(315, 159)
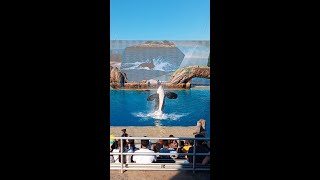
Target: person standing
point(199, 148)
point(124, 142)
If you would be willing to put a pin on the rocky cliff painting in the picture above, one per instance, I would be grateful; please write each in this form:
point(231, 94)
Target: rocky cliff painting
point(157, 60)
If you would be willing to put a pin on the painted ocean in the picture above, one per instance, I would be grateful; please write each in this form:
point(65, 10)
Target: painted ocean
point(131, 108)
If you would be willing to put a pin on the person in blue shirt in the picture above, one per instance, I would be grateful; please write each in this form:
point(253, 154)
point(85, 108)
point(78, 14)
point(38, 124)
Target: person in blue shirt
point(165, 149)
point(130, 149)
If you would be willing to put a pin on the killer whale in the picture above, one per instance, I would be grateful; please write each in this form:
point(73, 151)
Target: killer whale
point(159, 98)
point(148, 65)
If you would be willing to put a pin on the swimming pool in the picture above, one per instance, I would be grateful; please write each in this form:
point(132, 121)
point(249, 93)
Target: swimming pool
point(131, 108)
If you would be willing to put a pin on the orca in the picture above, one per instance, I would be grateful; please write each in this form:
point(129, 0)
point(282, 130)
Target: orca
point(159, 98)
point(148, 65)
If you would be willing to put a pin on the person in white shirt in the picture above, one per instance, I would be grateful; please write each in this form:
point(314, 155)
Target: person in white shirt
point(144, 158)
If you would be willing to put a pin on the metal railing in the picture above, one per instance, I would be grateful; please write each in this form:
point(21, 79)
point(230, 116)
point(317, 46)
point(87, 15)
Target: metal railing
point(194, 154)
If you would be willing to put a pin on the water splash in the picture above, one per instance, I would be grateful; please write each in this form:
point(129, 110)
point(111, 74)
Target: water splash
point(159, 63)
point(164, 116)
point(157, 123)
point(135, 65)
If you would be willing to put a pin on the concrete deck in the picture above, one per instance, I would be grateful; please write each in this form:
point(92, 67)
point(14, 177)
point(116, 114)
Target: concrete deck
point(155, 131)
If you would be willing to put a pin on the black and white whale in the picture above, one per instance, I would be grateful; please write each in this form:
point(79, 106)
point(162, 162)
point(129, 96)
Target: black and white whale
point(159, 99)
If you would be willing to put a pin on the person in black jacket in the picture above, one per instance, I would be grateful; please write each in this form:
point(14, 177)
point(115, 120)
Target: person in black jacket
point(124, 134)
point(200, 148)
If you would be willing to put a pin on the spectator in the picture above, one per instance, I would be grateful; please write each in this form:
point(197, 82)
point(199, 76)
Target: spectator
point(187, 146)
point(112, 140)
point(149, 144)
point(181, 144)
point(159, 145)
point(131, 149)
point(111, 156)
point(115, 145)
point(173, 143)
point(206, 145)
point(116, 148)
point(165, 149)
point(206, 160)
point(179, 149)
point(199, 148)
point(144, 158)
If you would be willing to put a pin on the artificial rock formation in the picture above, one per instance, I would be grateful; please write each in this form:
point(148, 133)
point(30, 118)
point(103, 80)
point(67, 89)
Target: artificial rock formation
point(184, 75)
point(116, 75)
point(165, 44)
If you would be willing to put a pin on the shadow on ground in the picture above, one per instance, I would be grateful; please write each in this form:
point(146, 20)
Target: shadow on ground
point(159, 175)
point(189, 175)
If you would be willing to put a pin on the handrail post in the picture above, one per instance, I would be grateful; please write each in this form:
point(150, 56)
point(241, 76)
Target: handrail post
point(194, 156)
point(121, 150)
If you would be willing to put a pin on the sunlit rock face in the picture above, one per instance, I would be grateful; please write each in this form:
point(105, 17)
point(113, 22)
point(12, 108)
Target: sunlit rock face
point(116, 75)
point(150, 60)
point(186, 74)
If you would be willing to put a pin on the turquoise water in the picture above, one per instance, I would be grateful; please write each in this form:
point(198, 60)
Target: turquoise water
point(131, 108)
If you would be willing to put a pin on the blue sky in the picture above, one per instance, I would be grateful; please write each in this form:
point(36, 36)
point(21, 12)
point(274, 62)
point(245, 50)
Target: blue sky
point(160, 20)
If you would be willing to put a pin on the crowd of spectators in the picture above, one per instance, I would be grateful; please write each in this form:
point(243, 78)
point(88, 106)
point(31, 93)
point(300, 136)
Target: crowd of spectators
point(161, 146)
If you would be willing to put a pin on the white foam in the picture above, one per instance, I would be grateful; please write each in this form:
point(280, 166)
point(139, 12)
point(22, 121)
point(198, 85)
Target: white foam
point(164, 116)
point(159, 64)
point(134, 65)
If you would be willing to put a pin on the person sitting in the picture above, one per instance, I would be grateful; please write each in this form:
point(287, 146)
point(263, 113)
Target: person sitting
point(111, 156)
point(179, 149)
point(173, 143)
point(149, 144)
point(115, 148)
point(199, 148)
point(165, 149)
point(158, 145)
point(206, 145)
point(181, 144)
point(131, 149)
point(144, 158)
point(206, 160)
point(188, 144)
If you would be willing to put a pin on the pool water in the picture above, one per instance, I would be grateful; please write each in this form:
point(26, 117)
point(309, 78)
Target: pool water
point(131, 108)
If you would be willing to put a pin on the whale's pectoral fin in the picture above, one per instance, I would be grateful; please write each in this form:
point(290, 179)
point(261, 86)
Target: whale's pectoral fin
point(153, 97)
point(171, 95)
